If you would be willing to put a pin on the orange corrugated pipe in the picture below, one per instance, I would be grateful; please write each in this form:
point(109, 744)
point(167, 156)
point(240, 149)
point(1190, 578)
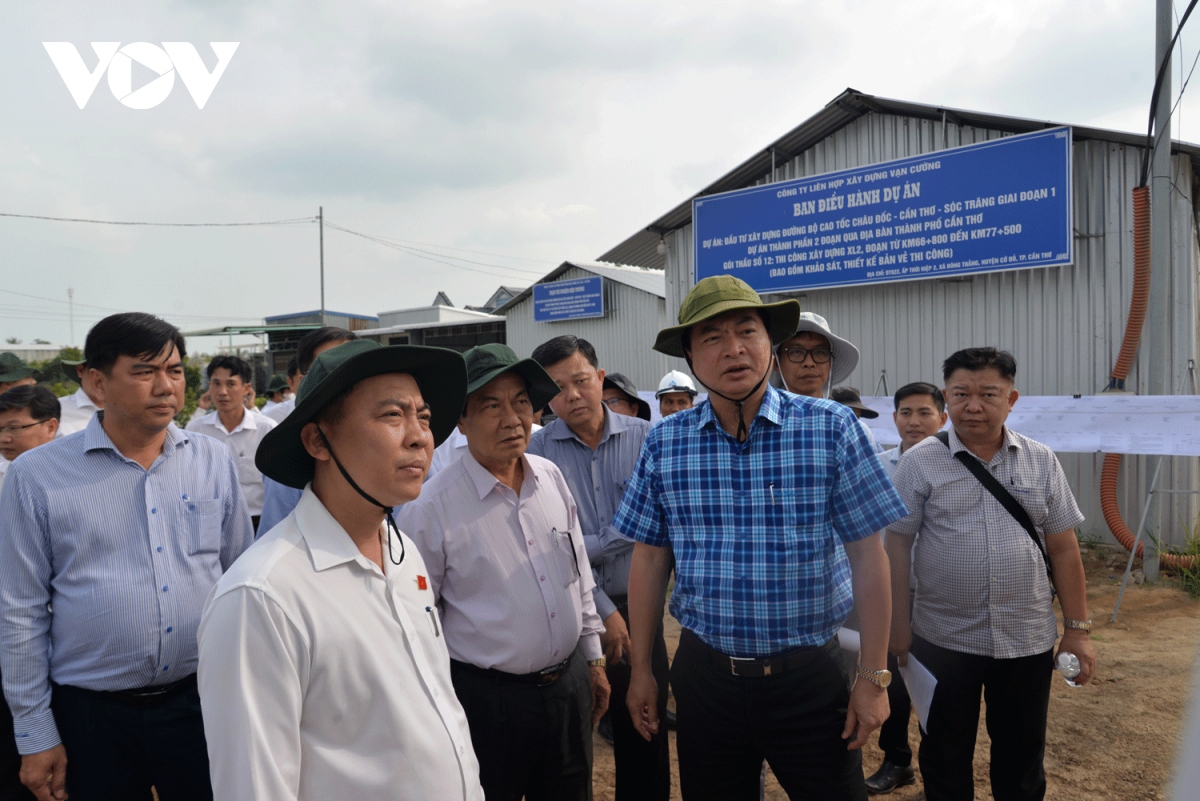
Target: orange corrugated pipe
point(1120, 371)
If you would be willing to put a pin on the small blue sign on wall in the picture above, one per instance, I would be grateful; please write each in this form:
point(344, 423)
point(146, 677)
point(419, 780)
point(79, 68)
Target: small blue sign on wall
point(568, 300)
point(1004, 204)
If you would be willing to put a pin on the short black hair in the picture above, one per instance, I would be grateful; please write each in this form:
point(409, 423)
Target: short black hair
point(41, 402)
point(293, 367)
point(236, 365)
point(921, 388)
point(975, 359)
point(134, 334)
point(553, 351)
point(315, 339)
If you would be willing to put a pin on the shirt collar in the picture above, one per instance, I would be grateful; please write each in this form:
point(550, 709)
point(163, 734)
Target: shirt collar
point(248, 423)
point(328, 543)
point(83, 400)
point(771, 409)
point(485, 482)
point(613, 424)
point(1009, 443)
point(95, 438)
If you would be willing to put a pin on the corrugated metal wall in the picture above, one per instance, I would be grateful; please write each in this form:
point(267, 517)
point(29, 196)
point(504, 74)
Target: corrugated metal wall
point(1064, 325)
point(623, 338)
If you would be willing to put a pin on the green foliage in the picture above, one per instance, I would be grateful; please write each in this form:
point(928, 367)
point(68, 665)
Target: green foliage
point(61, 389)
point(260, 402)
point(1189, 577)
point(70, 353)
point(189, 406)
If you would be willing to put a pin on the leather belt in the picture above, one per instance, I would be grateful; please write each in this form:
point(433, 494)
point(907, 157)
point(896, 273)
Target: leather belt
point(542, 678)
point(758, 667)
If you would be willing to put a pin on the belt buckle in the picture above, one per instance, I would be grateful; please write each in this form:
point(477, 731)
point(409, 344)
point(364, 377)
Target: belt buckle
point(548, 677)
point(733, 665)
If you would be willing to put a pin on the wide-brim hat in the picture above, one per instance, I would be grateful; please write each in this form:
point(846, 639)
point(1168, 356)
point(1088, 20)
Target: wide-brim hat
point(845, 352)
point(848, 396)
point(487, 362)
point(13, 368)
point(719, 294)
point(441, 375)
point(626, 387)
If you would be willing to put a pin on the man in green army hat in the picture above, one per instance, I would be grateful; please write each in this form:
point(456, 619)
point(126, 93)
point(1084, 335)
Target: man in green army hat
point(323, 670)
point(500, 534)
point(277, 390)
point(750, 496)
point(14, 371)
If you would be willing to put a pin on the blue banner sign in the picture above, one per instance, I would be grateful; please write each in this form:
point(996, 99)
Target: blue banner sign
point(1004, 204)
point(568, 300)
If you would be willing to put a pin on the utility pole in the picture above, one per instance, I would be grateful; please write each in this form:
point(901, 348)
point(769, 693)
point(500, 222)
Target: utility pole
point(71, 310)
point(1158, 367)
point(321, 228)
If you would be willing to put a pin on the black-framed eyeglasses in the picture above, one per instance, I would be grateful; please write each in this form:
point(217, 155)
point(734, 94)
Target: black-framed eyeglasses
point(574, 553)
point(16, 429)
point(797, 355)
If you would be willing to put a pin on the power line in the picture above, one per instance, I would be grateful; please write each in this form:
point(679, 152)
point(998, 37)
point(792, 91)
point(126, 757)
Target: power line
point(431, 256)
point(290, 221)
point(110, 309)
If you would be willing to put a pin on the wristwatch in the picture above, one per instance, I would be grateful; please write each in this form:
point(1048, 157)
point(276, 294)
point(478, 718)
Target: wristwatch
point(880, 678)
point(1082, 625)
point(601, 662)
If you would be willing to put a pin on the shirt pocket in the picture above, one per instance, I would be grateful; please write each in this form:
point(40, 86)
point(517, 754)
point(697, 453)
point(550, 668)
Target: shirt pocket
point(204, 526)
point(791, 531)
point(564, 557)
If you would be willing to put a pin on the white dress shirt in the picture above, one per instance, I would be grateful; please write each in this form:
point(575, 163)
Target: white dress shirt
point(281, 410)
point(77, 411)
point(324, 679)
point(243, 442)
point(452, 450)
point(511, 573)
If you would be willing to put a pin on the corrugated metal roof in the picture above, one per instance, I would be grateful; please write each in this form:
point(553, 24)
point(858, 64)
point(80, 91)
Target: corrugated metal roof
point(652, 281)
point(396, 329)
point(642, 248)
point(328, 313)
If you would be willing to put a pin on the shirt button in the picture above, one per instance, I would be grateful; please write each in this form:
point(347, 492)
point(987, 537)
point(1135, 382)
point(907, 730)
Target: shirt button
point(153, 511)
point(542, 578)
point(531, 542)
point(164, 588)
point(552, 615)
point(170, 629)
point(166, 668)
point(159, 549)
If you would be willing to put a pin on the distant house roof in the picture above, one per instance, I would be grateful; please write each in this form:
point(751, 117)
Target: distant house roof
point(317, 312)
point(501, 296)
point(425, 326)
point(441, 299)
point(642, 247)
point(651, 281)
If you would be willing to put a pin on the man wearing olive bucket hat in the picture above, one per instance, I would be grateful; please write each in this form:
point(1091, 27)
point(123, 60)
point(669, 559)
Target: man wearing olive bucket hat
point(751, 493)
point(323, 670)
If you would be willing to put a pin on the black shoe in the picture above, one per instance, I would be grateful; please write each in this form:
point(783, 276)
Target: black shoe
point(604, 729)
point(889, 777)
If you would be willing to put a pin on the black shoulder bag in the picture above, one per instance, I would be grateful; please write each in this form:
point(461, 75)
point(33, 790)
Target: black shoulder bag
point(1011, 504)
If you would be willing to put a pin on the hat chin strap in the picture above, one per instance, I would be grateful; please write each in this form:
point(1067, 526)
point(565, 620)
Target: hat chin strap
point(391, 521)
point(742, 430)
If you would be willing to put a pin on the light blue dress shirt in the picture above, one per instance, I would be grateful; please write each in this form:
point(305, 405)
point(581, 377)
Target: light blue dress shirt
point(124, 556)
point(278, 502)
point(597, 480)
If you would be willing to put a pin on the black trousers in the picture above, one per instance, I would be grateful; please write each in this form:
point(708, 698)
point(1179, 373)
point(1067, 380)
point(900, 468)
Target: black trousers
point(11, 788)
point(118, 748)
point(532, 742)
point(893, 734)
point(643, 768)
point(729, 724)
point(1017, 693)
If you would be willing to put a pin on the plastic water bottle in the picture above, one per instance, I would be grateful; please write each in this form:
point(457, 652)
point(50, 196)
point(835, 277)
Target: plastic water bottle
point(1068, 665)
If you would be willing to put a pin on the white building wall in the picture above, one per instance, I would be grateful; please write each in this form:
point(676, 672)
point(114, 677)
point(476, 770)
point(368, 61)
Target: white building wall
point(1064, 325)
point(623, 338)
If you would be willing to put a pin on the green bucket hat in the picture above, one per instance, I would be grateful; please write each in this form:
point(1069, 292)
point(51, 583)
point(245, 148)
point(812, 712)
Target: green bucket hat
point(13, 368)
point(485, 362)
point(278, 383)
point(719, 294)
point(440, 373)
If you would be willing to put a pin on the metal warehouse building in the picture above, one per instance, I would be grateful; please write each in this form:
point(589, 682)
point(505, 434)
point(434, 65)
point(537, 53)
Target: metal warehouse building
point(635, 308)
point(1063, 324)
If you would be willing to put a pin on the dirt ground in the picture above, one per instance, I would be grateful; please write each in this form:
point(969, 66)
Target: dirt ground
point(1112, 739)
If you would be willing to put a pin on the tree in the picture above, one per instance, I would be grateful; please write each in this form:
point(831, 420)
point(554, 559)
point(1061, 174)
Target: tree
point(13, 341)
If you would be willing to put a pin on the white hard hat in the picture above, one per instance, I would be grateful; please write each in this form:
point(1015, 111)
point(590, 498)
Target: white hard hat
point(845, 353)
point(675, 381)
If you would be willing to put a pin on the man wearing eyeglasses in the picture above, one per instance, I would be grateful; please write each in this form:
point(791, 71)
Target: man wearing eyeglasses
point(28, 418)
point(499, 534)
point(596, 450)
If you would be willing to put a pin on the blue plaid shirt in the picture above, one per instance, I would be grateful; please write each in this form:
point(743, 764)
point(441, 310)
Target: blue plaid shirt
point(757, 527)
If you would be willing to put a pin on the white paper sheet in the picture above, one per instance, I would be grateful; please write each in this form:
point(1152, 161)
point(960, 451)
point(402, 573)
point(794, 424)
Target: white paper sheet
point(921, 684)
point(848, 639)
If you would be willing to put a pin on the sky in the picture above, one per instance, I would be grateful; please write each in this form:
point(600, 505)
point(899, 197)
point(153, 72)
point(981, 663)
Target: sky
point(489, 140)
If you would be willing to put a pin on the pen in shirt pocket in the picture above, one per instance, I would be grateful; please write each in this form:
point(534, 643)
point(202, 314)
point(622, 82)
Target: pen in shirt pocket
point(434, 623)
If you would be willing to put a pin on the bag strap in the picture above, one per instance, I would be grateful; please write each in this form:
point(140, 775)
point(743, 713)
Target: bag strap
point(1010, 504)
